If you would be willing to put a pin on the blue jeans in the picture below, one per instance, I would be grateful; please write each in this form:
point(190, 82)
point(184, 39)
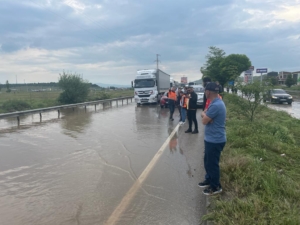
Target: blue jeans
point(183, 114)
point(211, 163)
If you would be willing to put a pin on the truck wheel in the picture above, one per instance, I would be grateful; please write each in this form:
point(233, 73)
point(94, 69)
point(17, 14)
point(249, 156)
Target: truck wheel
point(289, 103)
point(161, 106)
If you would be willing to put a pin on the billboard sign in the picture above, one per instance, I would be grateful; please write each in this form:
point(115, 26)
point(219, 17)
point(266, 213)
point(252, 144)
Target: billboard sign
point(262, 70)
point(184, 80)
point(249, 72)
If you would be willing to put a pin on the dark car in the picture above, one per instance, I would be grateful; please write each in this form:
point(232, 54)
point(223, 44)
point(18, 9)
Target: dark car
point(278, 96)
point(164, 100)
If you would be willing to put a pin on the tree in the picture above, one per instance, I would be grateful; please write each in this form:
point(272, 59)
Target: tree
point(7, 87)
point(213, 64)
point(75, 88)
point(252, 96)
point(222, 68)
point(232, 67)
point(290, 81)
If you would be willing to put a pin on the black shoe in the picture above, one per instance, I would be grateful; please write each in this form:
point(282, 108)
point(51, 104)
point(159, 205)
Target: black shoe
point(204, 184)
point(172, 119)
point(195, 132)
point(188, 131)
point(210, 191)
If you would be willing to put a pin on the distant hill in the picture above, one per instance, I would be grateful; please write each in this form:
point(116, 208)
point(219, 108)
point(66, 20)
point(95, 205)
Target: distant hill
point(113, 85)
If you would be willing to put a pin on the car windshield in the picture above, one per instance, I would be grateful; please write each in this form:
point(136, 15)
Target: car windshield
point(278, 91)
point(144, 83)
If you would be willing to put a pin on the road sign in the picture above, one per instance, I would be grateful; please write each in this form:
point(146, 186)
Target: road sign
point(248, 72)
point(262, 70)
point(251, 68)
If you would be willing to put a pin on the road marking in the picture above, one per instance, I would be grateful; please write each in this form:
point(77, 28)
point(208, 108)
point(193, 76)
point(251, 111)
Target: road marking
point(114, 217)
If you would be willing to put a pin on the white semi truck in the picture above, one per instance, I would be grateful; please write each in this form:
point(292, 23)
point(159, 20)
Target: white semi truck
point(149, 85)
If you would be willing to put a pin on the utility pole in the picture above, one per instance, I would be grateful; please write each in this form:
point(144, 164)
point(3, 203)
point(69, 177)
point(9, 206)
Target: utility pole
point(157, 61)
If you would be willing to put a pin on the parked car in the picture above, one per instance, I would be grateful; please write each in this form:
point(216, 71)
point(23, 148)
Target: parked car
point(200, 98)
point(278, 96)
point(164, 100)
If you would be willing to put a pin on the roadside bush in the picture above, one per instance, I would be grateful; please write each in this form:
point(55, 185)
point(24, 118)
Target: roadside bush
point(15, 105)
point(75, 90)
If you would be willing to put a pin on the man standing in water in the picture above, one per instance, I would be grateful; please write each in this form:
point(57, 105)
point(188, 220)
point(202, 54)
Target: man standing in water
point(214, 139)
point(172, 98)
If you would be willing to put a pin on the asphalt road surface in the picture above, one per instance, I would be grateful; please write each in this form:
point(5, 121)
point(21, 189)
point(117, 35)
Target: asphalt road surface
point(127, 165)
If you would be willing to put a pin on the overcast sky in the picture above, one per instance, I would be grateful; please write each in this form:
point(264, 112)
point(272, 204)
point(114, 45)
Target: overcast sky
point(108, 40)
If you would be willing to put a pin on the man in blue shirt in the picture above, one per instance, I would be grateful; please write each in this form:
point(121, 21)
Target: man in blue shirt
point(214, 139)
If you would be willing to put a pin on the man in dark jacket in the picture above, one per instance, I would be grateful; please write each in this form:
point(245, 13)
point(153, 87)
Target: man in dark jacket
point(206, 80)
point(192, 111)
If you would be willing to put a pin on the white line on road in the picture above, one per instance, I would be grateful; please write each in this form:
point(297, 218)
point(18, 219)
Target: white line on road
point(114, 217)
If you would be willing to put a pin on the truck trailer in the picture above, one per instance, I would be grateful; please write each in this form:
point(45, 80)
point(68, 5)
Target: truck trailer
point(149, 85)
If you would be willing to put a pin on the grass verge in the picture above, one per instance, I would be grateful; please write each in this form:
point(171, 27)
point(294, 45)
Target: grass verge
point(24, 100)
point(260, 170)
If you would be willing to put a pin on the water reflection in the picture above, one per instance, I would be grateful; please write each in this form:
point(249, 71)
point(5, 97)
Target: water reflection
point(174, 141)
point(75, 122)
point(293, 110)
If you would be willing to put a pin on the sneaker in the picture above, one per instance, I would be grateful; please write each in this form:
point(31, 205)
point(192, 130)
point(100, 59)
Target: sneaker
point(204, 184)
point(172, 119)
point(188, 131)
point(210, 191)
point(195, 132)
point(182, 123)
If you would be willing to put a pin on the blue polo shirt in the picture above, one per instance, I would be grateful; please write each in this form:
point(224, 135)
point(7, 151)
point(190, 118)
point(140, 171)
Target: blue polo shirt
point(215, 132)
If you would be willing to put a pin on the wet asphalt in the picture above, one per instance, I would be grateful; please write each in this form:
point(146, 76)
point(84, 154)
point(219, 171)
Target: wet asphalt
point(78, 169)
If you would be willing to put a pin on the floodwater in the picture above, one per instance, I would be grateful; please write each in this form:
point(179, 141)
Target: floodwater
point(79, 168)
point(293, 109)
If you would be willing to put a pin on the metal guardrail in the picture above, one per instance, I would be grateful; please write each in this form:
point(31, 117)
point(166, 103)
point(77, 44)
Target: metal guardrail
point(18, 114)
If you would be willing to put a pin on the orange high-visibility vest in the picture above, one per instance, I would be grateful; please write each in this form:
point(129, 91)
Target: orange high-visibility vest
point(184, 101)
point(172, 95)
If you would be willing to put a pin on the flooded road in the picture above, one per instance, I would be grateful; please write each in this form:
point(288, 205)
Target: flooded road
point(79, 169)
point(293, 109)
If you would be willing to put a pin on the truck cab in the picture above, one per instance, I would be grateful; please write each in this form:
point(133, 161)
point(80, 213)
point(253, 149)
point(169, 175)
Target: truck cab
point(149, 85)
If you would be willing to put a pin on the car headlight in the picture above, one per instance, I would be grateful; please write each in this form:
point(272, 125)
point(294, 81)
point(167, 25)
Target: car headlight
point(274, 97)
point(290, 97)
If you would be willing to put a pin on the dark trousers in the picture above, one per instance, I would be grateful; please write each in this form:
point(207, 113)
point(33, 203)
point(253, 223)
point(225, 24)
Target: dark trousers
point(179, 108)
point(212, 155)
point(191, 115)
point(171, 107)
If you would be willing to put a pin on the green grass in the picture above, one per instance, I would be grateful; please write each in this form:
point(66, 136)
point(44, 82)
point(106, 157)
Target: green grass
point(260, 185)
point(23, 100)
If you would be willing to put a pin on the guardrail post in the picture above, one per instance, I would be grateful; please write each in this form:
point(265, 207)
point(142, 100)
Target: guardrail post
point(95, 107)
point(122, 102)
point(58, 111)
point(131, 100)
point(40, 117)
point(18, 118)
point(127, 101)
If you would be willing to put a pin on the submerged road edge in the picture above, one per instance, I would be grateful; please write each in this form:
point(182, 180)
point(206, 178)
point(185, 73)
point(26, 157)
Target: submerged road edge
point(114, 217)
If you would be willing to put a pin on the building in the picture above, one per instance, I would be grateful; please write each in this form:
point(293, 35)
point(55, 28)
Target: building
point(296, 76)
point(282, 75)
